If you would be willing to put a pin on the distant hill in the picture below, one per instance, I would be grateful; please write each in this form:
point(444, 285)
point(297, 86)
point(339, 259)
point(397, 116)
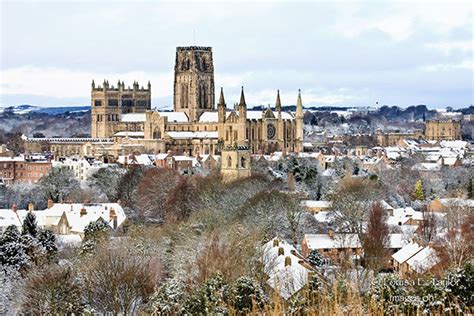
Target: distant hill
point(30, 120)
point(26, 108)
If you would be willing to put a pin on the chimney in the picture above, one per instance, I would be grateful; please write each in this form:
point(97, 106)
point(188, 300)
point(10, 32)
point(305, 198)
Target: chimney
point(14, 208)
point(119, 202)
point(50, 203)
point(113, 217)
point(281, 251)
point(31, 207)
point(83, 211)
point(287, 261)
point(275, 242)
point(331, 233)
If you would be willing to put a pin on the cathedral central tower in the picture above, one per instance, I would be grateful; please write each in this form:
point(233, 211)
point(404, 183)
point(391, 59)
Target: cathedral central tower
point(194, 81)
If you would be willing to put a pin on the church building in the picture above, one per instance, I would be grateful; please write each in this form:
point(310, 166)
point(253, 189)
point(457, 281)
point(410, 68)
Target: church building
point(194, 126)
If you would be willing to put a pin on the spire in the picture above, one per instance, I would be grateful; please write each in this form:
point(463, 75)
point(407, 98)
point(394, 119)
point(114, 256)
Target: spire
point(242, 98)
point(278, 102)
point(221, 98)
point(149, 85)
point(299, 105)
point(93, 84)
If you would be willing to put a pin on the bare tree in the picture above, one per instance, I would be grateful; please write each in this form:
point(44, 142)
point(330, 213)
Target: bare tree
point(458, 244)
point(428, 225)
point(54, 290)
point(376, 239)
point(153, 192)
point(351, 203)
point(118, 281)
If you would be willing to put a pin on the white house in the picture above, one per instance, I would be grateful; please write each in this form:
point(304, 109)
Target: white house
point(287, 273)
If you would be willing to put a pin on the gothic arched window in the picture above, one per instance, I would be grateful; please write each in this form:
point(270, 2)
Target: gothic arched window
point(156, 134)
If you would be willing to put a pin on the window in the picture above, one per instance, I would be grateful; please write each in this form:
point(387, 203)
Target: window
point(97, 102)
point(112, 102)
point(142, 103)
point(229, 162)
point(127, 103)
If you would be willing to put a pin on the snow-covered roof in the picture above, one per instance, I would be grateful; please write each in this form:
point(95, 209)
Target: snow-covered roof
point(94, 211)
point(423, 260)
point(329, 172)
point(402, 215)
point(142, 159)
point(133, 117)
point(457, 202)
point(338, 241)
point(286, 275)
point(396, 241)
point(190, 135)
point(130, 134)
point(406, 252)
point(9, 217)
point(211, 117)
point(385, 205)
point(426, 166)
point(448, 161)
point(183, 158)
point(317, 204)
point(457, 144)
point(177, 117)
point(258, 115)
point(12, 159)
point(161, 156)
point(323, 216)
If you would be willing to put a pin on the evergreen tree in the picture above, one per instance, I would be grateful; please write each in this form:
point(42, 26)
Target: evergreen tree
point(470, 190)
point(30, 226)
point(93, 229)
point(94, 233)
point(48, 240)
point(12, 250)
point(418, 192)
point(315, 258)
point(11, 234)
point(245, 293)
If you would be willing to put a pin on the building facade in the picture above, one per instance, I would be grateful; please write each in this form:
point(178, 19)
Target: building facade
point(21, 169)
point(443, 129)
point(122, 121)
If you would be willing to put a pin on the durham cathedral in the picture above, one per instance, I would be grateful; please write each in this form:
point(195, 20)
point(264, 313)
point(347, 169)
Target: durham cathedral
point(123, 122)
point(195, 126)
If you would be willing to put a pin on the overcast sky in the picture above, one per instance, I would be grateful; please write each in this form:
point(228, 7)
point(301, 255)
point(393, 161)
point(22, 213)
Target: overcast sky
point(338, 52)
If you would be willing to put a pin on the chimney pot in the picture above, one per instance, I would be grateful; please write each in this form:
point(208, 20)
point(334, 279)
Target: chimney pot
point(275, 242)
point(331, 233)
point(14, 208)
point(50, 203)
point(281, 251)
point(287, 261)
point(31, 206)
